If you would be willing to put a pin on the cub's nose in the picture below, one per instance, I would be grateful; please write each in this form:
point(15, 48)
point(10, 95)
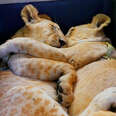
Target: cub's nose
point(62, 42)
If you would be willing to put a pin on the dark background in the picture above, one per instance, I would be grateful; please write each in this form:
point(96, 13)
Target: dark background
point(66, 13)
point(114, 19)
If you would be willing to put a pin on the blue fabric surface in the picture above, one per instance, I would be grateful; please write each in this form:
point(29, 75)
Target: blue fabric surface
point(66, 13)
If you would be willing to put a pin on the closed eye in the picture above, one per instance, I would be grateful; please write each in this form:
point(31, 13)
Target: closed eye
point(54, 28)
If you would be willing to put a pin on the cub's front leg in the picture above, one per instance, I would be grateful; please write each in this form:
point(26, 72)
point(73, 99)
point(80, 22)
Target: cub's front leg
point(47, 70)
point(104, 101)
point(25, 45)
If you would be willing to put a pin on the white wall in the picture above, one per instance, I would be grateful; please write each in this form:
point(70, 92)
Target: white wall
point(19, 1)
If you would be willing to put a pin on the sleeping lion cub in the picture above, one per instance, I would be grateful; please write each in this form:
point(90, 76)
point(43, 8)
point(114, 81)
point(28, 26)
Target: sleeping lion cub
point(25, 96)
point(96, 76)
point(37, 60)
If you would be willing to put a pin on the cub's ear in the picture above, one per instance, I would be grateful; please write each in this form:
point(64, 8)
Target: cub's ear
point(29, 14)
point(44, 16)
point(100, 21)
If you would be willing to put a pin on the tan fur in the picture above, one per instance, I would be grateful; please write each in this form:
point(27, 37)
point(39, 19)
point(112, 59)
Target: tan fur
point(46, 70)
point(39, 27)
point(44, 16)
point(84, 53)
point(78, 55)
point(104, 101)
point(92, 79)
point(88, 32)
point(36, 58)
point(21, 96)
point(103, 113)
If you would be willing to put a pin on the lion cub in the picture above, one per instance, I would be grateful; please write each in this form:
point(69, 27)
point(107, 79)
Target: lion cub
point(40, 28)
point(28, 54)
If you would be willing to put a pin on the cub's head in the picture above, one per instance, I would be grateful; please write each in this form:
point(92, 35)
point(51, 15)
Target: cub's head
point(88, 31)
point(40, 27)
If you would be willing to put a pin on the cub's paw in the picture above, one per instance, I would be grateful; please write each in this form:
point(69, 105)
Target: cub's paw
point(65, 93)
